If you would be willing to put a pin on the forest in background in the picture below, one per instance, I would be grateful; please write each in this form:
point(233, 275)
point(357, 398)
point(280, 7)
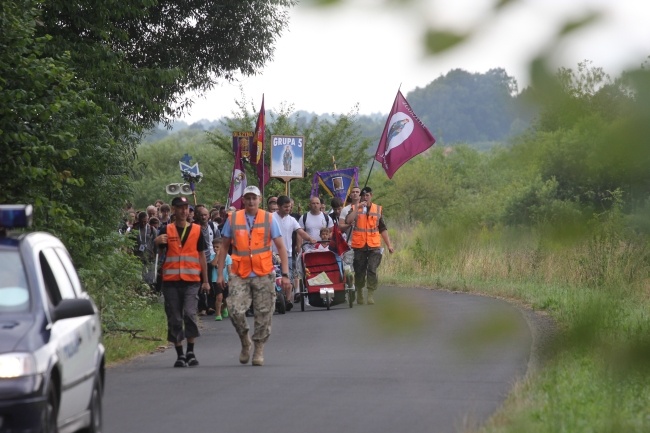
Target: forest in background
point(479, 109)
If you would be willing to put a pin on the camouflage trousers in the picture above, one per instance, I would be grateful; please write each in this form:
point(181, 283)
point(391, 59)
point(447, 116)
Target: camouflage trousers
point(261, 292)
point(366, 262)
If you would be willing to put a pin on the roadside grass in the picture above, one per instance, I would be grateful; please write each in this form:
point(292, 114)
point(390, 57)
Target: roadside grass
point(143, 331)
point(596, 372)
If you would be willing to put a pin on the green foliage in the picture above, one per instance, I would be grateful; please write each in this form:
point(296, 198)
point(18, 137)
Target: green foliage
point(143, 56)
point(113, 277)
point(470, 107)
point(157, 166)
point(55, 139)
point(339, 138)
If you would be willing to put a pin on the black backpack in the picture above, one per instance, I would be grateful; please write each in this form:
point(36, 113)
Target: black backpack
point(327, 219)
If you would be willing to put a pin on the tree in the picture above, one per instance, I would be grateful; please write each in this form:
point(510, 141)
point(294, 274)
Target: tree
point(340, 138)
point(466, 107)
point(143, 56)
point(58, 152)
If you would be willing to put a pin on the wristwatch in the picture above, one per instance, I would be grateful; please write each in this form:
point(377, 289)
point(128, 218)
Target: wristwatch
point(285, 275)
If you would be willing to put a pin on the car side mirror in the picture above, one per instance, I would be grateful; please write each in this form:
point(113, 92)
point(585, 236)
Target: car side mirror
point(68, 308)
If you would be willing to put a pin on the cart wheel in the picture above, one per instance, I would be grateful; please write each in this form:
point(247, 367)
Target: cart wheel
point(302, 296)
point(350, 298)
point(327, 300)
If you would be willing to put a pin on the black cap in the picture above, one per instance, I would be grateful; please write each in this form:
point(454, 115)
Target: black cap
point(366, 189)
point(180, 201)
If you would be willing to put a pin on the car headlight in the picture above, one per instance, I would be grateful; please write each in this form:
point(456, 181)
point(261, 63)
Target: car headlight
point(17, 365)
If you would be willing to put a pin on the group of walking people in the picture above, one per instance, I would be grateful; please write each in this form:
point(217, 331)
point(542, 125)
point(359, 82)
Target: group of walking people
point(234, 261)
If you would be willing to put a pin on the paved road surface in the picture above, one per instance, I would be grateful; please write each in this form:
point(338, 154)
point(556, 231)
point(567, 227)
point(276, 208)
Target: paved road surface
point(418, 361)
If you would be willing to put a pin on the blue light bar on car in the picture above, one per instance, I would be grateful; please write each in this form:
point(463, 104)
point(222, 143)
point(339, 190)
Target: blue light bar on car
point(15, 215)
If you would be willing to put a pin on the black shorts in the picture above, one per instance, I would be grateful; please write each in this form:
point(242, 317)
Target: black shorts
point(217, 290)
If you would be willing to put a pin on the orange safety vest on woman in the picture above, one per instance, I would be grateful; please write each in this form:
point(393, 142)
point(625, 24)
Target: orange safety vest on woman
point(182, 262)
point(366, 229)
point(251, 247)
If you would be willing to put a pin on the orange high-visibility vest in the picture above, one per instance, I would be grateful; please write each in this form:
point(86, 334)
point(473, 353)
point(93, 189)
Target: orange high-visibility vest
point(182, 262)
point(251, 246)
point(366, 229)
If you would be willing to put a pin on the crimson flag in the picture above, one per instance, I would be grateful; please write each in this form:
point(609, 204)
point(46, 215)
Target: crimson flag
point(237, 182)
point(263, 174)
point(404, 137)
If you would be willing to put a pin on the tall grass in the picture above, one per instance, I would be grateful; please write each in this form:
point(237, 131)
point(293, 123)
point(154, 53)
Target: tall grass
point(595, 287)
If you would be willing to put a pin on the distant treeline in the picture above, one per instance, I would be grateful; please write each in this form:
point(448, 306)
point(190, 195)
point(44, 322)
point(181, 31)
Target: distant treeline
point(460, 107)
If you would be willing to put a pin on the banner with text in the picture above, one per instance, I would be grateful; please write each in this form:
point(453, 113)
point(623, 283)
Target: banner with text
point(287, 156)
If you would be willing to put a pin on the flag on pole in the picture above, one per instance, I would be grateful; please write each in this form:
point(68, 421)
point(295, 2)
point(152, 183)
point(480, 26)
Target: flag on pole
point(337, 183)
point(263, 174)
point(404, 137)
point(237, 182)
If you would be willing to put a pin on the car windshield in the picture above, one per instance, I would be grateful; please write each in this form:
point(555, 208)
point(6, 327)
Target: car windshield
point(14, 293)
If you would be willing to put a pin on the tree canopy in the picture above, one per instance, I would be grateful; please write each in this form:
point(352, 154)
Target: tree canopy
point(80, 81)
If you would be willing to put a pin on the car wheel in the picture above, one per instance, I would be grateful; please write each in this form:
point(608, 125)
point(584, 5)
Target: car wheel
point(95, 408)
point(50, 416)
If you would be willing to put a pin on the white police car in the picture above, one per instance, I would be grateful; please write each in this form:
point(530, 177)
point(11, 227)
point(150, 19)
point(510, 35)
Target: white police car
point(51, 355)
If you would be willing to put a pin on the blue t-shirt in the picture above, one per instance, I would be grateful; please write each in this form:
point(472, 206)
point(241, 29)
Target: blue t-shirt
point(227, 263)
point(226, 232)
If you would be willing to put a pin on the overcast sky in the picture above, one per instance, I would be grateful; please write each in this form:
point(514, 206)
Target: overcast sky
point(330, 59)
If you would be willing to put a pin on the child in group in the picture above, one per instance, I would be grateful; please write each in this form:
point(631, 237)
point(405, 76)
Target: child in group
point(324, 239)
point(327, 244)
point(221, 294)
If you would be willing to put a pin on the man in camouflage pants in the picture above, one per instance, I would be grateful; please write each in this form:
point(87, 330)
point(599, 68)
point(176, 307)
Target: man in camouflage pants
point(250, 232)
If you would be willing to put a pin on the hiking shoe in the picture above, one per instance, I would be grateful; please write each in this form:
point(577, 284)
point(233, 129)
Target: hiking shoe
point(224, 313)
point(371, 298)
point(245, 353)
point(359, 297)
point(258, 354)
point(191, 360)
point(180, 362)
point(218, 318)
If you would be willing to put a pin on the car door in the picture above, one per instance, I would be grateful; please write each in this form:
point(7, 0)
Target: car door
point(72, 340)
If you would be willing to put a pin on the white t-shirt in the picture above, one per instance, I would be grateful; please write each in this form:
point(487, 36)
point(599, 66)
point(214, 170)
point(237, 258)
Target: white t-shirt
point(314, 223)
point(288, 225)
point(344, 212)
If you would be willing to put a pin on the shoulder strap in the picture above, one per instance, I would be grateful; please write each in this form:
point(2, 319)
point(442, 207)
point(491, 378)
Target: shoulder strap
point(304, 219)
point(327, 219)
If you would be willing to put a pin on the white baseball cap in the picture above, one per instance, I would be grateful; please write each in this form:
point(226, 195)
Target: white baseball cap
point(251, 189)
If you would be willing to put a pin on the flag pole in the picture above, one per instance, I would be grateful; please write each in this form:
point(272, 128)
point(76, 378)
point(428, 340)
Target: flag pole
point(373, 164)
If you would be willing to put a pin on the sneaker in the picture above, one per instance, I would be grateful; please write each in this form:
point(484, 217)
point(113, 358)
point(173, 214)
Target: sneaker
point(180, 362)
point(210, 312)
point(191, 360)
point(289, 306)
point(224, 313)
point(218, 318)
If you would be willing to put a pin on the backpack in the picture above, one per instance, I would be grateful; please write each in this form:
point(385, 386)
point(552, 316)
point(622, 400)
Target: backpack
point(304, 219)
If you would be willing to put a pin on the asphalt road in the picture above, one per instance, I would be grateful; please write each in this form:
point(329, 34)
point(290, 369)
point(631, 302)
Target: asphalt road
point(417, 361)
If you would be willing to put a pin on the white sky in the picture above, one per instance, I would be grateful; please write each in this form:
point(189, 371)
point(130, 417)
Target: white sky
point(330, 59)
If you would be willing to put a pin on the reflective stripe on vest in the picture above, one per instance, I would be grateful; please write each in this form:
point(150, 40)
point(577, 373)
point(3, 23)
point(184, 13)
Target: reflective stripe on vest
point(366, 229)
point(251, 250)
point(182, 262)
